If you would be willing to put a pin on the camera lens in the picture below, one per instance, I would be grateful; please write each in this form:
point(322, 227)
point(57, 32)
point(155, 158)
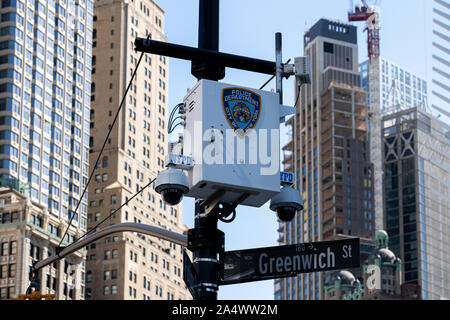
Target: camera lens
point(172, 196)
point(286, 214)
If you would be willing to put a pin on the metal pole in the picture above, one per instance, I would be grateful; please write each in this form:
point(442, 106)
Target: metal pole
point(208, 38)
point(278, 63)
point(205, 256)
point(208, 25)
point(205, 233)
point(174, 237)
point(205, 55)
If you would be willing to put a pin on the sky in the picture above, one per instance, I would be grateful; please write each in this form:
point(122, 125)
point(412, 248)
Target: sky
point(248, 27)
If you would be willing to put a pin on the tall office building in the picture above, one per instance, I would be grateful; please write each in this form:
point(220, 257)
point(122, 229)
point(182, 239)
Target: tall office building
point(328, 152)
point(387, 85)
point(45, 55)
point(416, 149)
point(129, 265)
point(440, 55)
point(397, 86)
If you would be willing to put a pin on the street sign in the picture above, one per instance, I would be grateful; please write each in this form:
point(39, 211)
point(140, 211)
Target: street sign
point(180, 161)
point(288, 261)
point(286, 177)
point(190, 275)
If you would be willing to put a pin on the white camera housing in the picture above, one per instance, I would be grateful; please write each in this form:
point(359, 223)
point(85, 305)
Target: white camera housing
point(172, 184)
point(287, 203)
point(232, 171)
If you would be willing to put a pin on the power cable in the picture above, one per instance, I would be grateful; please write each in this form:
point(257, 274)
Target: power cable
point(265, 84)
point(175, 127)
point(171, 124)
point(116, 210)
point(103, 147)
point(172, 114)
point(271, 78)
point(298, 96)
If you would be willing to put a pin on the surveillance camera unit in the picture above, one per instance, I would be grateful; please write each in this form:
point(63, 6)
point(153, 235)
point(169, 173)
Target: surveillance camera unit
point(172, 184)
point(303, 70)
point(221, 146)
point(287, 203)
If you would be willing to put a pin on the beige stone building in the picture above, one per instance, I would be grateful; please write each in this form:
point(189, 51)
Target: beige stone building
point(29, 234)
point(129, 265)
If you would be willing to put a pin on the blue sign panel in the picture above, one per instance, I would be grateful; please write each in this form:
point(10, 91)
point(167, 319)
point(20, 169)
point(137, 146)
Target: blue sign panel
point(286, 177)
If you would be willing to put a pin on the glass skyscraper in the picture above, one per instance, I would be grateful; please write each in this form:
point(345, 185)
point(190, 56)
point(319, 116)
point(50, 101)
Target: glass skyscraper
point(45, 83)
point(397, 85)
point(416, 149)
point(387, 86)
point(440, 52)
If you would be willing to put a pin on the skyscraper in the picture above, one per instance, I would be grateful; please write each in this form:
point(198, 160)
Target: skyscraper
point(391, 85)
point(45, 68)
point(397, 85)
point(329, 152)
point(440, 55)
point(416, 149)
point(129, 265)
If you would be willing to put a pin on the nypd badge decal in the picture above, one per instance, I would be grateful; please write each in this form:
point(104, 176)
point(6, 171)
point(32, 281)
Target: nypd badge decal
point(242, 108)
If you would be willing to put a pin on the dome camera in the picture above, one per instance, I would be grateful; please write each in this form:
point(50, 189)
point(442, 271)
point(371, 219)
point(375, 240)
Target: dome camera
point(172, 184)
point(286, 203)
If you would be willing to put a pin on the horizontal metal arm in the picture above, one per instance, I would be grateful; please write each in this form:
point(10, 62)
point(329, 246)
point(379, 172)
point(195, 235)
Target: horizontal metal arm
point(174, 237)
point(203, 55)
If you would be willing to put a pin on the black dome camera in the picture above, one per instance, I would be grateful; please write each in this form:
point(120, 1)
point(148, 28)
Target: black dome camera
point(286, 204)
point(172, 185)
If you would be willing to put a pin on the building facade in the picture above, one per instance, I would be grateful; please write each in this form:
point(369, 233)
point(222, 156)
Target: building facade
point(416, 149)
point(397, 86)
point(130, 266)
point(387, 85)
point(45, 67)
point(440, 52)
point(381, 278)
point(328, 153)
point(28, 235)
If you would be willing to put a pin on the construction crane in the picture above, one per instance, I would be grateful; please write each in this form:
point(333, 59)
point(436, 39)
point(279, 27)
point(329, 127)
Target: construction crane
point(369, 11)
point(370, 14)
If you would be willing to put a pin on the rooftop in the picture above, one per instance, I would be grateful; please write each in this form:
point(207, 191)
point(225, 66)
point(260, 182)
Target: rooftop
point(333, 30)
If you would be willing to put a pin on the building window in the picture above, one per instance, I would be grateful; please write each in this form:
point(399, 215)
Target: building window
point(105, 162)
point(88, 276)
point(4, 271)
point(12, 270)
point(328, 47)
point(113, 289)
point(4, 249)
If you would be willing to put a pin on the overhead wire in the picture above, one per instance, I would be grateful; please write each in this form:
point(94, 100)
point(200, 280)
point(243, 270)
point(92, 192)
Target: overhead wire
point(103, 147)
point(271, 78)
point(33, 281)
point(116, 210)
